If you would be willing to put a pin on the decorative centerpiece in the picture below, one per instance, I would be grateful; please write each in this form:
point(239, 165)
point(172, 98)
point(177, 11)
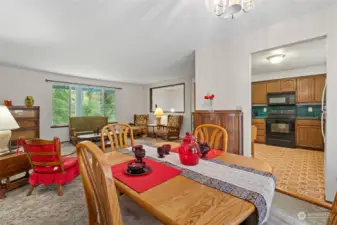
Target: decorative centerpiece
point(138, 167)
point(204, 149)
point(210, 98)
point(29, 101)
point(189, 150)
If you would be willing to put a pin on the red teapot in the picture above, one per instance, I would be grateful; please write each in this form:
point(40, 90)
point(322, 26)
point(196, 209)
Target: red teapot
point(189, 150)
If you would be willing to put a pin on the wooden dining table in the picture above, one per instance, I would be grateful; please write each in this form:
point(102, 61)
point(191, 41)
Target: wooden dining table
point(182, 201)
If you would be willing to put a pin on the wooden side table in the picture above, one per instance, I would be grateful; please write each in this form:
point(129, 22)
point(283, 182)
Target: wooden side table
point(153, 133)
point(10, 165)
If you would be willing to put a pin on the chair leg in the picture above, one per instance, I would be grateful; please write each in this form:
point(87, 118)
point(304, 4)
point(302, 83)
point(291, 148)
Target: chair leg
point(59, 191)
point(30, 190)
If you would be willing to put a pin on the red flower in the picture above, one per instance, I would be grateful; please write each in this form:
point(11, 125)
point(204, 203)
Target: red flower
point(206, 97)
point(211, 97)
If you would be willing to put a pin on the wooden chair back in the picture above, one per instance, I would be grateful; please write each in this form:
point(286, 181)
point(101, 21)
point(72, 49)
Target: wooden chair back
point(100, 193)
point(254, 135)
point(117, 134)
point(333, 213)
point(43, 153)
point(214, 135)
point(141, 120)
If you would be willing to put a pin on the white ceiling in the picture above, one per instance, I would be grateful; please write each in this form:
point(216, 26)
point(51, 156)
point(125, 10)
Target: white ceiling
point(140, 41)
point(301, 55)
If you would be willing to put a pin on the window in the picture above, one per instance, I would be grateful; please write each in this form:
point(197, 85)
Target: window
point(70, 100)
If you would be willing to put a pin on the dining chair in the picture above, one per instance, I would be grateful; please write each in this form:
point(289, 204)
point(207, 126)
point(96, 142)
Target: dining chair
point(333, 213)
point(117, 134)
point(104, 205)
point(214, 135)
point(254, 135)
point(49, 166)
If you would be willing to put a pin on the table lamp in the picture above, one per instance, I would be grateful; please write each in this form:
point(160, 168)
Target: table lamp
point(7, 123)
point(158, 113)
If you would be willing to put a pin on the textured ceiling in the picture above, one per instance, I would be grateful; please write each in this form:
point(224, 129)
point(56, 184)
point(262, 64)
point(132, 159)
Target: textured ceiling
point(301, 55)
point(140, 41)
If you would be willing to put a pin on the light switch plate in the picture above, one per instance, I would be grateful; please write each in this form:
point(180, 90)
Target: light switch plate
point(310, 109)
point(264, 109)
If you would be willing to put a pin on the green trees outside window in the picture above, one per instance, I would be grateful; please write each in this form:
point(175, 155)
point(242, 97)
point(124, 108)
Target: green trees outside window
point(81, 101)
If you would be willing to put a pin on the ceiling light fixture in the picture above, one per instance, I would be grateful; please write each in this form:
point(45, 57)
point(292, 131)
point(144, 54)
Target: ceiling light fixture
point(229, 9)
point(275, 59)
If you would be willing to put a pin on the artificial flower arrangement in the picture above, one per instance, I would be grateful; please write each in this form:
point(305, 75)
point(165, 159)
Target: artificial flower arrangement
point(210, 98)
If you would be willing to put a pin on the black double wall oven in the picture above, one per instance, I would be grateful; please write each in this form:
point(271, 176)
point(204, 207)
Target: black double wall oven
point(280, 123)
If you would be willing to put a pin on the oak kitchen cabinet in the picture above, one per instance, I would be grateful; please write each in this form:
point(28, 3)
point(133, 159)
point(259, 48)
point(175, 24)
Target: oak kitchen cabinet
point(305, 90)
point(273, 86)
point(288, 85)
point(259, 93)
point(319, 86)
point(308, 134)
point(261, 130)
point(308, 89)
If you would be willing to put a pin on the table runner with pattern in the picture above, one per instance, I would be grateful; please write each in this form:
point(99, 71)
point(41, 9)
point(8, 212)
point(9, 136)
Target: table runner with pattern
point(252, 185)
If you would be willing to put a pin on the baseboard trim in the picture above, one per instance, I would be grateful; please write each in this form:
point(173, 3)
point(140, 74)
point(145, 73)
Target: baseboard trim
point(314, 201)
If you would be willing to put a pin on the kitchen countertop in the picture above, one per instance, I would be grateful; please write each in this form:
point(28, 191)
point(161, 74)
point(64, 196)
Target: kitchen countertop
point(297, 118)
point(259, 117)
point(308, 118)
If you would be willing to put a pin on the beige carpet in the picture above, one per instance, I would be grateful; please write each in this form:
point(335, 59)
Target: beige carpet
point(298, 171)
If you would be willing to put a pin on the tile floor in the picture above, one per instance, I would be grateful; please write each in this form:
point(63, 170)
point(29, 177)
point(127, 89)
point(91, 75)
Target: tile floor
point(298, 171)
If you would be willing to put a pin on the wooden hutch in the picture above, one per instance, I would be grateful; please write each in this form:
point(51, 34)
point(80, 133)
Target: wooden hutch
point(231, 120)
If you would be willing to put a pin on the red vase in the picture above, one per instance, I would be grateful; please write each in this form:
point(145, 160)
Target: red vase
point(189, 150)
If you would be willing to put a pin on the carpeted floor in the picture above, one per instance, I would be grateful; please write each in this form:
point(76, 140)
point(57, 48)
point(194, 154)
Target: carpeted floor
point(298, 171)
point(44, 206)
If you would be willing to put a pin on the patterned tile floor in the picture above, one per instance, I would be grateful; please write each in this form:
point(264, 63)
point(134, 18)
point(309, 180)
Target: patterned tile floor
point(298, 171)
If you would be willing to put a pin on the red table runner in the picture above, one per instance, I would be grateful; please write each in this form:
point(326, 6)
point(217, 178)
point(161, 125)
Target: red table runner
point(210, 155)
point(160, 173)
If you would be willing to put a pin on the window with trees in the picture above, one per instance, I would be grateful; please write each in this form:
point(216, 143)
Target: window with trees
point(70, 100)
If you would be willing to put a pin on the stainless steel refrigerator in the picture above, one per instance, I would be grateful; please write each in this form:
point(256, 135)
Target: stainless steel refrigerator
point(323, 113)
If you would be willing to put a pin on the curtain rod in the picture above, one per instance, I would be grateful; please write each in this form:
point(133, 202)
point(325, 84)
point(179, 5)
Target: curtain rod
point(64, 82)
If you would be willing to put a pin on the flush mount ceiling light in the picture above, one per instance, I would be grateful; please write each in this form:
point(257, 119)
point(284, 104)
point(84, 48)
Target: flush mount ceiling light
point(229, 9)
point(275, 59)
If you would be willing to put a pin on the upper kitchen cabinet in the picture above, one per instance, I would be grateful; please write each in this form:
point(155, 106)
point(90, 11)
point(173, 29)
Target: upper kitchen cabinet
point(305, 90)
point(259, 93)
point(319, 87)
point(273, 86)
point(288, 85)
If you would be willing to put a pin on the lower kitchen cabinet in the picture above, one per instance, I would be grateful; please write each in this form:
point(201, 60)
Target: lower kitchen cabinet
point(261, 130)
point(308, 134)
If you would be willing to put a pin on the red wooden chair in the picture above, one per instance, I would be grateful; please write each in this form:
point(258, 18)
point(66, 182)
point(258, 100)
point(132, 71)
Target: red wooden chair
point(49, 167)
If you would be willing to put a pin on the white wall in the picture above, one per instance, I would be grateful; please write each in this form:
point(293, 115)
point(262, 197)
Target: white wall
point(314, 70)
point(188, 101)
point(17, 83)
point(225, 68)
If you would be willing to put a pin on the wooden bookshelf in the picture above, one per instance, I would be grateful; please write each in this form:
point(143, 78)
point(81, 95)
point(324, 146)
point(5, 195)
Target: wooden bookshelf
point(28, 119)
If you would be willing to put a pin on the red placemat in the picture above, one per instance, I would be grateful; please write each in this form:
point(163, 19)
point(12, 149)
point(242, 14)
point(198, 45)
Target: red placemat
point(160, 173)
point(210, 155)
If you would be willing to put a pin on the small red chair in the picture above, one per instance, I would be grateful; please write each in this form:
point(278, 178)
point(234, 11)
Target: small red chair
point(49, 167)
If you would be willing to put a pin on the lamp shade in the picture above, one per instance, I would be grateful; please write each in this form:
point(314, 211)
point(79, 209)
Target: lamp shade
point(158, 112)
point(7, 121)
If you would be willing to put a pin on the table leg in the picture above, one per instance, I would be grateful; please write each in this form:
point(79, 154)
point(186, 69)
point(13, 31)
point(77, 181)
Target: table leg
point(2, 190)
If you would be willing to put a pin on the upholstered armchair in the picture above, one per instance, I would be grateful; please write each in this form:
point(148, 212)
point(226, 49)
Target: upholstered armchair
point(139, 126)
point(170, 131)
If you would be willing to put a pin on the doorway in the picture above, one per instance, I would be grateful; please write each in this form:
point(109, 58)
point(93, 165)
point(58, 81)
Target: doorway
point(289, 111)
